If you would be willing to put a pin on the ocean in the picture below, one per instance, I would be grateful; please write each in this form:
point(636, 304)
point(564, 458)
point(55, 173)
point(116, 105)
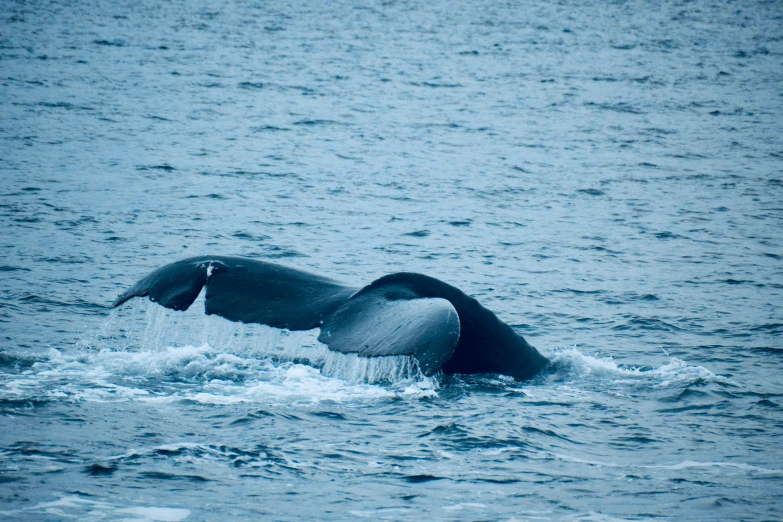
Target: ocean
point(606, 176)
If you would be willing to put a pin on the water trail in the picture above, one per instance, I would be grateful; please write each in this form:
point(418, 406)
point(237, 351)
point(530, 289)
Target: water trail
point(571, 365)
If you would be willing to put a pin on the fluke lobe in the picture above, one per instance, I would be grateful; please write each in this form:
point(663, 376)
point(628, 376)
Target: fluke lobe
point(398, 314)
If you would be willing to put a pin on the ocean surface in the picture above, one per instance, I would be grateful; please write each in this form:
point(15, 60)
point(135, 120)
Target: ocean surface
point(606, 176)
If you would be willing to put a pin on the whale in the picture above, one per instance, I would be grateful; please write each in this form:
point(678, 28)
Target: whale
point(408, 314)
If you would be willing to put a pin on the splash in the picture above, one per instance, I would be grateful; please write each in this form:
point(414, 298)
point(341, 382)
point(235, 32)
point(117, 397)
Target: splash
point(572, 365)
point(377, 369)
point(147, 353)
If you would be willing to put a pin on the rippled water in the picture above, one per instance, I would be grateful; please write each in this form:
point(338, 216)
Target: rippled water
point(606, 176)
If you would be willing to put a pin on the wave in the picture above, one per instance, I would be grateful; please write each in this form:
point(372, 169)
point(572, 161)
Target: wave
point(571, 364)
point(677, 466)
point(73, 506)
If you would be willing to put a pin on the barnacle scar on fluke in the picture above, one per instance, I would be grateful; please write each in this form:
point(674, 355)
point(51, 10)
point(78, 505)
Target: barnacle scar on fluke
point(398, 314)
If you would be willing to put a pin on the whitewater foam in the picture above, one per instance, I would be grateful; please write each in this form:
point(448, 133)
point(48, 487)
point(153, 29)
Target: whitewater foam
point(686, 464)
point(573, 365)
point(84, 509)
point(209, 360)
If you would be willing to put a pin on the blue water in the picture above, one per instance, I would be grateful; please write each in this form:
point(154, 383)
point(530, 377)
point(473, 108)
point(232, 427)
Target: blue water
point(606, 176)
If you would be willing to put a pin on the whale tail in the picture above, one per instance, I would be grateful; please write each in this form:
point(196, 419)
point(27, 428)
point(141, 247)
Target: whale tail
point(379, 320)
point(244, 290)
point(398, 314)
point(376, 321)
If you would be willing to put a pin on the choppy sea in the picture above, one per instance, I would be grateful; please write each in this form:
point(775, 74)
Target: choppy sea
point(607, 176)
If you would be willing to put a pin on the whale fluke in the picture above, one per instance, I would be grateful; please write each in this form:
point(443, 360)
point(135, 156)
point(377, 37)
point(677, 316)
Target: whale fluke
point(399, 314)
point(380, 322)
point(244, 290)
point(174, 286)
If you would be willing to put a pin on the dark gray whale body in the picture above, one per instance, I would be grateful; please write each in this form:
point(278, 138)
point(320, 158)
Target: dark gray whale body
point(398, 314)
